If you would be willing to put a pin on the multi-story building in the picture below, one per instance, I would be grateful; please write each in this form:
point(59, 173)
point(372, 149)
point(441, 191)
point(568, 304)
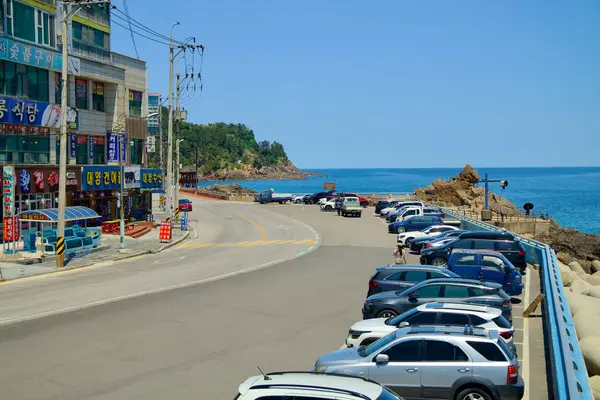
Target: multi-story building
point(107, 98)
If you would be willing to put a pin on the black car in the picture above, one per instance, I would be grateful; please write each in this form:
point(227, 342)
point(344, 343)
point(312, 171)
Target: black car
point(456, 290)
point(502, 242)
point(417, 244)
point(400, 277)
point(380, 205)
point(314, 198)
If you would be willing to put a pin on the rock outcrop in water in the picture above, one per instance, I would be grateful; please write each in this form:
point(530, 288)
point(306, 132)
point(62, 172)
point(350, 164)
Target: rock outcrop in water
point(461, 191)
point(243, 172)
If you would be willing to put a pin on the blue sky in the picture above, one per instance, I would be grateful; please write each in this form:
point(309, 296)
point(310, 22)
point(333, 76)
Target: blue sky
point(393, 83)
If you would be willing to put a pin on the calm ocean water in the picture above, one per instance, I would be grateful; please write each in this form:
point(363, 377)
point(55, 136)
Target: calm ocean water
point(570, 195)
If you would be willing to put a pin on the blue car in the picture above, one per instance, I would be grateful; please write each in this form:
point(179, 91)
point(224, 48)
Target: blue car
point(414, 224)
point(486, 265)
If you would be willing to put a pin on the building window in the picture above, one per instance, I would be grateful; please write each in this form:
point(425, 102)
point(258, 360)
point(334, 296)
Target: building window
point(81, 153)
point(135, 103)
point(98, 97)
point(29, 23)
point(99, 150)
point(90, 42)
point(135, 151)
point(28, 149)
point(18, 80)
point(81, 94)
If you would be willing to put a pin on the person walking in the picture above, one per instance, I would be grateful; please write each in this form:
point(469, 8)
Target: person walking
point(502, 213)
point(400, 254)
point(338, 204)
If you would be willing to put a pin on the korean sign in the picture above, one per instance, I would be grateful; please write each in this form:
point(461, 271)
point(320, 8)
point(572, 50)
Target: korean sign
point(34, 113)
point(112, 153)
point(132, 177)
point(35, 56)
point(8, 190)
point(123, 148)
point(164, 233)
point(11, 229)
point(152, 178)
point(153, 108)
point(101, 178)
point(91, 146)
point(72, 145)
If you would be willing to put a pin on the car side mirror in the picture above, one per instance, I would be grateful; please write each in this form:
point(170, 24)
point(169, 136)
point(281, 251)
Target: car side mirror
point(382, 359)
point(403, 324)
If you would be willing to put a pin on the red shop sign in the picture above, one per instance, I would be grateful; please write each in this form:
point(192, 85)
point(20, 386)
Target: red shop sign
point(82, 139)
point(11, 229)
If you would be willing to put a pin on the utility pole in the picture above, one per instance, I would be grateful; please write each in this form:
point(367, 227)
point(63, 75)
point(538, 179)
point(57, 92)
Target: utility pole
point(170, 129)
point(486, 181)
point(121, 195)
point(62, 171)
point(178, 120)
point(160, 140)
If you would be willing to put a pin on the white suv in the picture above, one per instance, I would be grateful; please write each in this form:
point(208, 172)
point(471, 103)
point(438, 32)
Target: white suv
point(368, 331)
point(311, 386)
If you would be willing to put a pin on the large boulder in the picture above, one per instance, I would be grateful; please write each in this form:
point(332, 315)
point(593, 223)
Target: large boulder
point(579, 302)
point(582, 287)
point(595, 386)
point(576, 267)
point(587, 323)
point(590, 347)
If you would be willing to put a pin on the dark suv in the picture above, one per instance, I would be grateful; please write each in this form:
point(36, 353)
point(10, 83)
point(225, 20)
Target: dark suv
point(502, 242)
point(314, 198)
point(456, 290)
point(400, 277)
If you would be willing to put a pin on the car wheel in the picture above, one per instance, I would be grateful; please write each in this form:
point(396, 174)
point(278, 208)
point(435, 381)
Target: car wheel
point(438, 262)
point(328, 208)
point(359, 215)
point(401, 229)
point(298, 201)
point(364, 204)
point(407, 241)
point(387, 314)
point(473, 394)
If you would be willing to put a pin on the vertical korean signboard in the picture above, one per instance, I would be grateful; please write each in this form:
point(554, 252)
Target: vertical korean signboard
point(8, 202)
point(72, 145)
point(123, 148)
point(154, 101)
point(91, 147)
point(112, 153)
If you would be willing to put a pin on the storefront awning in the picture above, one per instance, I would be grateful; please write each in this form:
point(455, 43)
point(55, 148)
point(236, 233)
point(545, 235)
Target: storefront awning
point(75, 213)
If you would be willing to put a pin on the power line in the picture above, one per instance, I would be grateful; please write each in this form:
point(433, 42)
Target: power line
point(131, 30)
point(139, 34)
point(125, 17)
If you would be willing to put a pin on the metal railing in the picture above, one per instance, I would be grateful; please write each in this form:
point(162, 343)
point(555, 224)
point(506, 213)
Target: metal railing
point(566, 367)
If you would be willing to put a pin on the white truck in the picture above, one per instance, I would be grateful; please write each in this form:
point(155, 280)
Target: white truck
point(351, 207)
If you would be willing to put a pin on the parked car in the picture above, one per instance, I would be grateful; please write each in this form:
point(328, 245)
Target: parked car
point(312, 386)
point(502, 242)
point(269, 196)
point(418, 243)
point(487, 265)
point(329, 205)
point(364, 202)
point(314, 198)
point(368, 331)
point(414, 224)
point(401, 277)
point(299, 198)
point(427, 362)
point(390, 304)
point(429, 232)
point(185, 205)
point(381, 204)
point(409, 211)
point(351, 207)
point(399, 204)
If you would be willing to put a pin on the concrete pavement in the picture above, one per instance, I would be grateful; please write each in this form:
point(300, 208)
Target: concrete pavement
point(195, 320)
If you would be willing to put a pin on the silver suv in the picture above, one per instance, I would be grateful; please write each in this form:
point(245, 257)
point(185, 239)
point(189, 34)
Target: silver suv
point(434, 362)
point(311, 386)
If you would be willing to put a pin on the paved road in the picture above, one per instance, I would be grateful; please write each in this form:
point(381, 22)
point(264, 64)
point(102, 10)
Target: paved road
point(158, 326)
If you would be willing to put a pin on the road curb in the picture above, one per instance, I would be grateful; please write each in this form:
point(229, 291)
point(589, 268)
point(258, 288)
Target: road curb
point(169, 245)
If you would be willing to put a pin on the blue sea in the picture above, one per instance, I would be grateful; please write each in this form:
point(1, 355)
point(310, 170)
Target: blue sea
point(570, 195)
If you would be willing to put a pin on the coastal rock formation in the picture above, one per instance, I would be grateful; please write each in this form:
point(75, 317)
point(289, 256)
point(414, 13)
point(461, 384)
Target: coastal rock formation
point(461, 191)
point(283, 170)
point(577, 245)
point(228, 189)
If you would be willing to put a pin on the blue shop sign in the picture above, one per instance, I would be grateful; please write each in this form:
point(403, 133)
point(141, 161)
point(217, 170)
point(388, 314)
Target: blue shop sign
point(21, 53)
point(112, 149)
point(33, 113)
point(101, 177)
point(91, 146)
point(152, 178)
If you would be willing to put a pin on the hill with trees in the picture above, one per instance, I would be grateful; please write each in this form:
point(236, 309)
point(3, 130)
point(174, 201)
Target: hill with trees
point(222, 151)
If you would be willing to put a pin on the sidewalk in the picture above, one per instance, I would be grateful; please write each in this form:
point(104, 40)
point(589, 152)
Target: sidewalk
point(109, 251)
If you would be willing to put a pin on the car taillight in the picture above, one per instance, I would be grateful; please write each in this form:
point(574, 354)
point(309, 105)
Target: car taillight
point(427, 245)
point(512, 376)
point(373, 284)
point(521, 253)
point(507, 334)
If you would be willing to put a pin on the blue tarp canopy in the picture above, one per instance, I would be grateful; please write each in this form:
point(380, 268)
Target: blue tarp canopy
point(75, 213)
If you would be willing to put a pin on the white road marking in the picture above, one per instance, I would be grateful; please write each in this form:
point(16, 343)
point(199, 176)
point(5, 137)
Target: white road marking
point(526, 354)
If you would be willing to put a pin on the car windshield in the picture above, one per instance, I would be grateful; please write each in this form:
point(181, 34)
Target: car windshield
point(396, 320)
point(365, 351)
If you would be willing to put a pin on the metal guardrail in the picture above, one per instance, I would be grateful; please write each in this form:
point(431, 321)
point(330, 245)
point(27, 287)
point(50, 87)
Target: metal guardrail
point(566, 368)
